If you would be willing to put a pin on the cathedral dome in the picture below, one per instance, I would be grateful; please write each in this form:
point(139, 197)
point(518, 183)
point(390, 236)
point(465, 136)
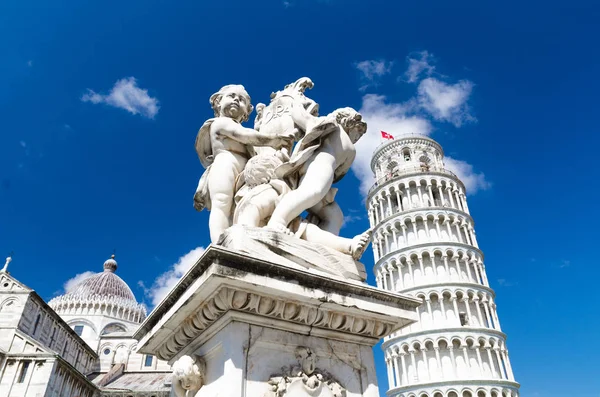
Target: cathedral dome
point(105, 284)
point(103, 292)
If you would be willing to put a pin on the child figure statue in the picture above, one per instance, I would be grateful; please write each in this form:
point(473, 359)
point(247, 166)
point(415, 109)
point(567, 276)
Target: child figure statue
point(319, 159)
point(221, 145)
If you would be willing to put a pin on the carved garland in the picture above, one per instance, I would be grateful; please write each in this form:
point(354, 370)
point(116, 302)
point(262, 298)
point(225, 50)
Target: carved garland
point(229, 299)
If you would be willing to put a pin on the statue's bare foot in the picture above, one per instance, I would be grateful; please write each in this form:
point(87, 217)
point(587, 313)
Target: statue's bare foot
point(278, 227)
point(359, 244)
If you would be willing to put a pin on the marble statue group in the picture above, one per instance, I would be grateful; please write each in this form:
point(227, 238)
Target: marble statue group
point(277, 177)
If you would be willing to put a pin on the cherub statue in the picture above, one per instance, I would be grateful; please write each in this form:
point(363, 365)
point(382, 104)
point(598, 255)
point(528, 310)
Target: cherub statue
point(320, 158)
point(221, 145)
point(188, 376)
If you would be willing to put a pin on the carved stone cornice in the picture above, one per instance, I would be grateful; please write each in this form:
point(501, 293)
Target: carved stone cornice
point(224, 286)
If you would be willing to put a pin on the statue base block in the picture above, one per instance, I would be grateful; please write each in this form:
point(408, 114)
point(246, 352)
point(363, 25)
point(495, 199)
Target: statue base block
point(266, 329)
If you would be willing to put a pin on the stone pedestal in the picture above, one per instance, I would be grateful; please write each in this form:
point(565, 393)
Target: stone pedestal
point(268, 329)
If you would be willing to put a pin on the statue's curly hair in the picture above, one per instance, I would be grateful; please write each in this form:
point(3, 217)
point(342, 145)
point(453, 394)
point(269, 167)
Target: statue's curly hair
point(350, 118)
point(215, 99)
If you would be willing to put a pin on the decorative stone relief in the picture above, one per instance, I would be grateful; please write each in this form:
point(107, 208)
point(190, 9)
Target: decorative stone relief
point(304, 379)
point(188, 376)
point(269, 306)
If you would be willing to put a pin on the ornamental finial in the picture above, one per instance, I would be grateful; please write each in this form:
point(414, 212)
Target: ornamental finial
point(111, 264)
point(8, 260)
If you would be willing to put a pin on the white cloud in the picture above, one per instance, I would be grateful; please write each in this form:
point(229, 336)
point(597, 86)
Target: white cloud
point(165, 282)
point(125, 94)
point(474, 181)
point(505, 283)
point(446, 102)
point(72, 283)
point(394, 118)
point(372, 70)
point(418, 64)
point(23, 144)
point(30, 63)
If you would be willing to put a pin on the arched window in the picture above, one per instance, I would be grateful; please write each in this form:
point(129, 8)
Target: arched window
point(114, 327)
point(406, 155)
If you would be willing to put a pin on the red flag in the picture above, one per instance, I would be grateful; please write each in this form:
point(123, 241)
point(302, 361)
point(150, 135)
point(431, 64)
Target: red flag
point(385, 135)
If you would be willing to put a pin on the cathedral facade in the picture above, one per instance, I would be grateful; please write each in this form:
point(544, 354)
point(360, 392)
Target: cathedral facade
point(79, 344)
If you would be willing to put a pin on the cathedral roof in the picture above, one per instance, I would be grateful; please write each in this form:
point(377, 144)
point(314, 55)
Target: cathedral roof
point(105, 288)
point(104, 284)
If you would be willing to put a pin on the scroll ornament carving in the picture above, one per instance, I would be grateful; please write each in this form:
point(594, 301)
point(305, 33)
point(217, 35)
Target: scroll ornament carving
point(188, 376)
point(304, 379)
point(229, 299)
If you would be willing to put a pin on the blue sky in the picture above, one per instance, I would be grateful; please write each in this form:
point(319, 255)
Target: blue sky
point(509, 89)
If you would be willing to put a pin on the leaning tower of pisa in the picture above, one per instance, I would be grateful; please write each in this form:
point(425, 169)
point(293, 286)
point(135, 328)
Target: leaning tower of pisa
point(425, 246)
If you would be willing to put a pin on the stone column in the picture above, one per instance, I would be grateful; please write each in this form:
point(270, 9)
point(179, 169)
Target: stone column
point(415, 229)
point(476, 300)
point(503, 374)
point(400, 275)
point(477, 272)
point(390, 210)
point(395, 238)
point(453, 360)
point(421, 266)
point(390, 374)
point(404, 234)
point(397, 369)
point(449, 190)
point(410, 271)
point(468, 307)
point(384, 278)
point(408, 196)
point(404, 373)
point(438, 361)
point(428, 303)
point(488, 348)
point(447, 222)
point(441, 191)
point(466, 356)
point(495, 314)
point(427, 233)
point(381, 210)
point(460, 237)
point(458, 203)
point(445, 259)
point(386, 234)
point(424, 354)
point(443, 309)
point(456, 260)
point(431, 199)
point(414, 362)
point(399, 200)
point(436, 222)
point(455, 306)
point(479, 361)
point(468, 268)
point(487, 314)
point(392, 283)
point(420, 194)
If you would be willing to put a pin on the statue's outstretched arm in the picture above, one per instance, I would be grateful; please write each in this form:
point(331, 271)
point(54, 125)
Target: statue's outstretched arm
point(249, 136)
